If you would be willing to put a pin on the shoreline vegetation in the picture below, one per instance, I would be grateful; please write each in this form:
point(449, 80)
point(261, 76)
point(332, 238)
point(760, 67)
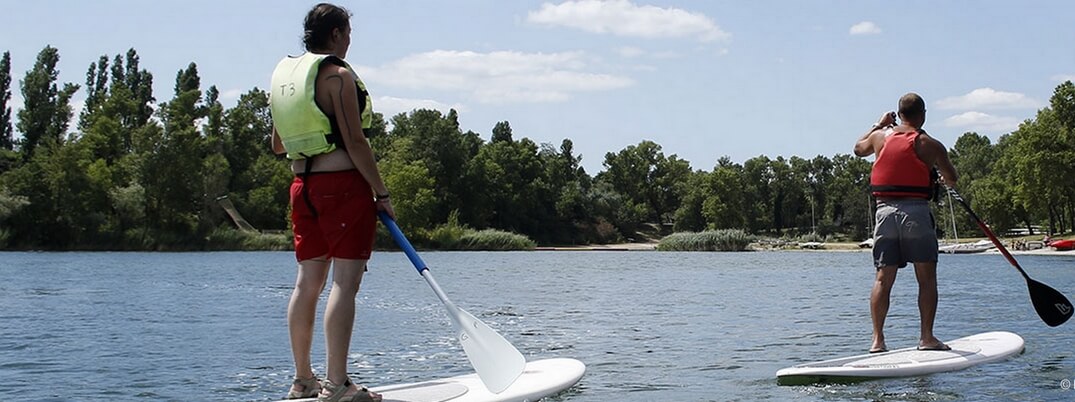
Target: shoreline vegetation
point(136, 170)
point(458, 238)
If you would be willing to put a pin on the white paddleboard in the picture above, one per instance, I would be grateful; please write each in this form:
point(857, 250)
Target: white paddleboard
point(540, 378)
point(969, 351)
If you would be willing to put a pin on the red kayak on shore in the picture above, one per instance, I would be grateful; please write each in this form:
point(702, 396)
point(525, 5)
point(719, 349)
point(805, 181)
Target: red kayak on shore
point(1063, 245)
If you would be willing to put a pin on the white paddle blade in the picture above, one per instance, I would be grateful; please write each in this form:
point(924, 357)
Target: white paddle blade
point(495, 360)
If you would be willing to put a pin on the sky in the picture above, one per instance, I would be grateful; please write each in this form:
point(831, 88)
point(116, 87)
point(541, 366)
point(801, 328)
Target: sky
point(703, 79)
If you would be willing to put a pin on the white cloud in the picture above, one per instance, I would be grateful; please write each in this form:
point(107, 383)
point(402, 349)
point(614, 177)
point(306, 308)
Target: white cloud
point(230, 95)
point(496, 77)
point(390, 106)
point(623, 18)
point(1064, 77)
point(978, 121)
point(630, 51)
point(865, 28)
point(989, 98)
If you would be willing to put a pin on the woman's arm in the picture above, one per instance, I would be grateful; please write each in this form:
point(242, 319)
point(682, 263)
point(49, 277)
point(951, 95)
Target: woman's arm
point(340, 85)
point(277, 144)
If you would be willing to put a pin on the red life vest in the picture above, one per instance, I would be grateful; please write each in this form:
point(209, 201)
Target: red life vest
point(897, 172)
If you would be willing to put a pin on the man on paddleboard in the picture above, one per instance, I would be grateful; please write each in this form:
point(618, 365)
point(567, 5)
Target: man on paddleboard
point(905, 230)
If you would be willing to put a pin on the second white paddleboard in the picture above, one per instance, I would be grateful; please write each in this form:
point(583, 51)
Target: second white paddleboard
point(968, 351)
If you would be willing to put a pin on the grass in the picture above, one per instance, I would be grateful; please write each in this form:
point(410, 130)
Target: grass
point(226, 238)
point(494, 240)
point(711, 240)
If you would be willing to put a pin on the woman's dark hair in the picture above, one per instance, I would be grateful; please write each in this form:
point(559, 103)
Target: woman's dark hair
point(320, 22)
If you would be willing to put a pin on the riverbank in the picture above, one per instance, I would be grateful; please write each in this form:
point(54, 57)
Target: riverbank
point(604, 247)
point(823, 247)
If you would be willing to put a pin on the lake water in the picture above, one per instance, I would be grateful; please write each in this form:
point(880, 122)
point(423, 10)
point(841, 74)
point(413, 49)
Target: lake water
point(649, 325)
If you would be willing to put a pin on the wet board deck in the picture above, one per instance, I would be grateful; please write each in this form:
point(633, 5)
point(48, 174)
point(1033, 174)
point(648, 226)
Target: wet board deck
point(540, 378)
point(969, 351)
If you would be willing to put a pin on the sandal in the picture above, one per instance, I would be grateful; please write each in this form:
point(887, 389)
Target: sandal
point(311, 387)
point(336, 393)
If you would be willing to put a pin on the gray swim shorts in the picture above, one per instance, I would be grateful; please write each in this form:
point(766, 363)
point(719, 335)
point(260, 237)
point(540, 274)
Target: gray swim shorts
point(904, 232)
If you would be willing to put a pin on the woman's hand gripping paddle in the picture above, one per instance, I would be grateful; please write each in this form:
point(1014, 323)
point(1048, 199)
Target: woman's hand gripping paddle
point(1051, 305)
point(495, 360)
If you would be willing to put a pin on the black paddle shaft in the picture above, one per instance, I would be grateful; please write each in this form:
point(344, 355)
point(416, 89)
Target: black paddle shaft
point(1052, 306)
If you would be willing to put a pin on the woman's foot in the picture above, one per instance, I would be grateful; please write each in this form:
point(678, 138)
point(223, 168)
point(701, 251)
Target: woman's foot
point(346, 392)
point(304, 388)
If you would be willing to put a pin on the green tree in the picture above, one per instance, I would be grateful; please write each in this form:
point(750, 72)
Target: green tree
point(46, 110)
point(511, 174)
point(63, 191)
point(96, 90)
point(132, 91)
point(647, 178)
point(566, 188)
point(7, 136)
point(973, 156)
point(723, 208)
point(437, 142)
point(259, 181)
point(1035, 159)
point(266, 204)
point(688, 217)
point(501, 132)
point(172, 172)
point(786, 194)
point(758, 193)
point(413, 188)
point(1063, 103)
point(247, 132)
point(850, 208)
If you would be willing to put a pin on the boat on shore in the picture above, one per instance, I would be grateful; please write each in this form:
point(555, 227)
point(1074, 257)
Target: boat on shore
point(966, 248)
point(1062, 245)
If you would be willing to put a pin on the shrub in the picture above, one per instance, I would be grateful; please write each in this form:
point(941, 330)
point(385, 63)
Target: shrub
point(226, 238)
point(710, 240)
point(491, 239)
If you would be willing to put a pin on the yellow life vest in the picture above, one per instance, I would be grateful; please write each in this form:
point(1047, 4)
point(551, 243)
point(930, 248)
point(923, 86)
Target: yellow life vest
point(303, 128)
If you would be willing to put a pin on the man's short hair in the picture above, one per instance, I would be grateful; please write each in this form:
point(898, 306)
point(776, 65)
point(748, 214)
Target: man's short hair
point(912, 105)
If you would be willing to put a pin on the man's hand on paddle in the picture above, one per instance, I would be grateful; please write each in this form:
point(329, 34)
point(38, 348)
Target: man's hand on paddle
point(887, 119)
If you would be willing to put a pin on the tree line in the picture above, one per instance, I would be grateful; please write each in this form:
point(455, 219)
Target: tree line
point(135, 173)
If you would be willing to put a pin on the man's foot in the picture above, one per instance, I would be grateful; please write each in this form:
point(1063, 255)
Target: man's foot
point(878, 345)
point(932, 343)
point(937, 346)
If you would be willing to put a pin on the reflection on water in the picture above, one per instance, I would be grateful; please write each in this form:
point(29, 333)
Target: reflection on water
point(649, 325)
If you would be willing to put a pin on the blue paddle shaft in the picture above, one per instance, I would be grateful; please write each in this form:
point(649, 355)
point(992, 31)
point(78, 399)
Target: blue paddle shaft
point(402, 241)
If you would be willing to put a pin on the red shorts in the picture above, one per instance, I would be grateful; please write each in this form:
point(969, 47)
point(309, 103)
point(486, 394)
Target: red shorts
point(346, 217)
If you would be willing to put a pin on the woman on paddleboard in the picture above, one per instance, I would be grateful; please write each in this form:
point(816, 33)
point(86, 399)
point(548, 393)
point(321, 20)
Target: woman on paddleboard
point(320, 110)
point(905, 230)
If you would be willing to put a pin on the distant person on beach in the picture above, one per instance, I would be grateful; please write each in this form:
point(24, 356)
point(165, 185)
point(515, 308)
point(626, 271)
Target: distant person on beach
point(320, 110)
point(905, 230)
